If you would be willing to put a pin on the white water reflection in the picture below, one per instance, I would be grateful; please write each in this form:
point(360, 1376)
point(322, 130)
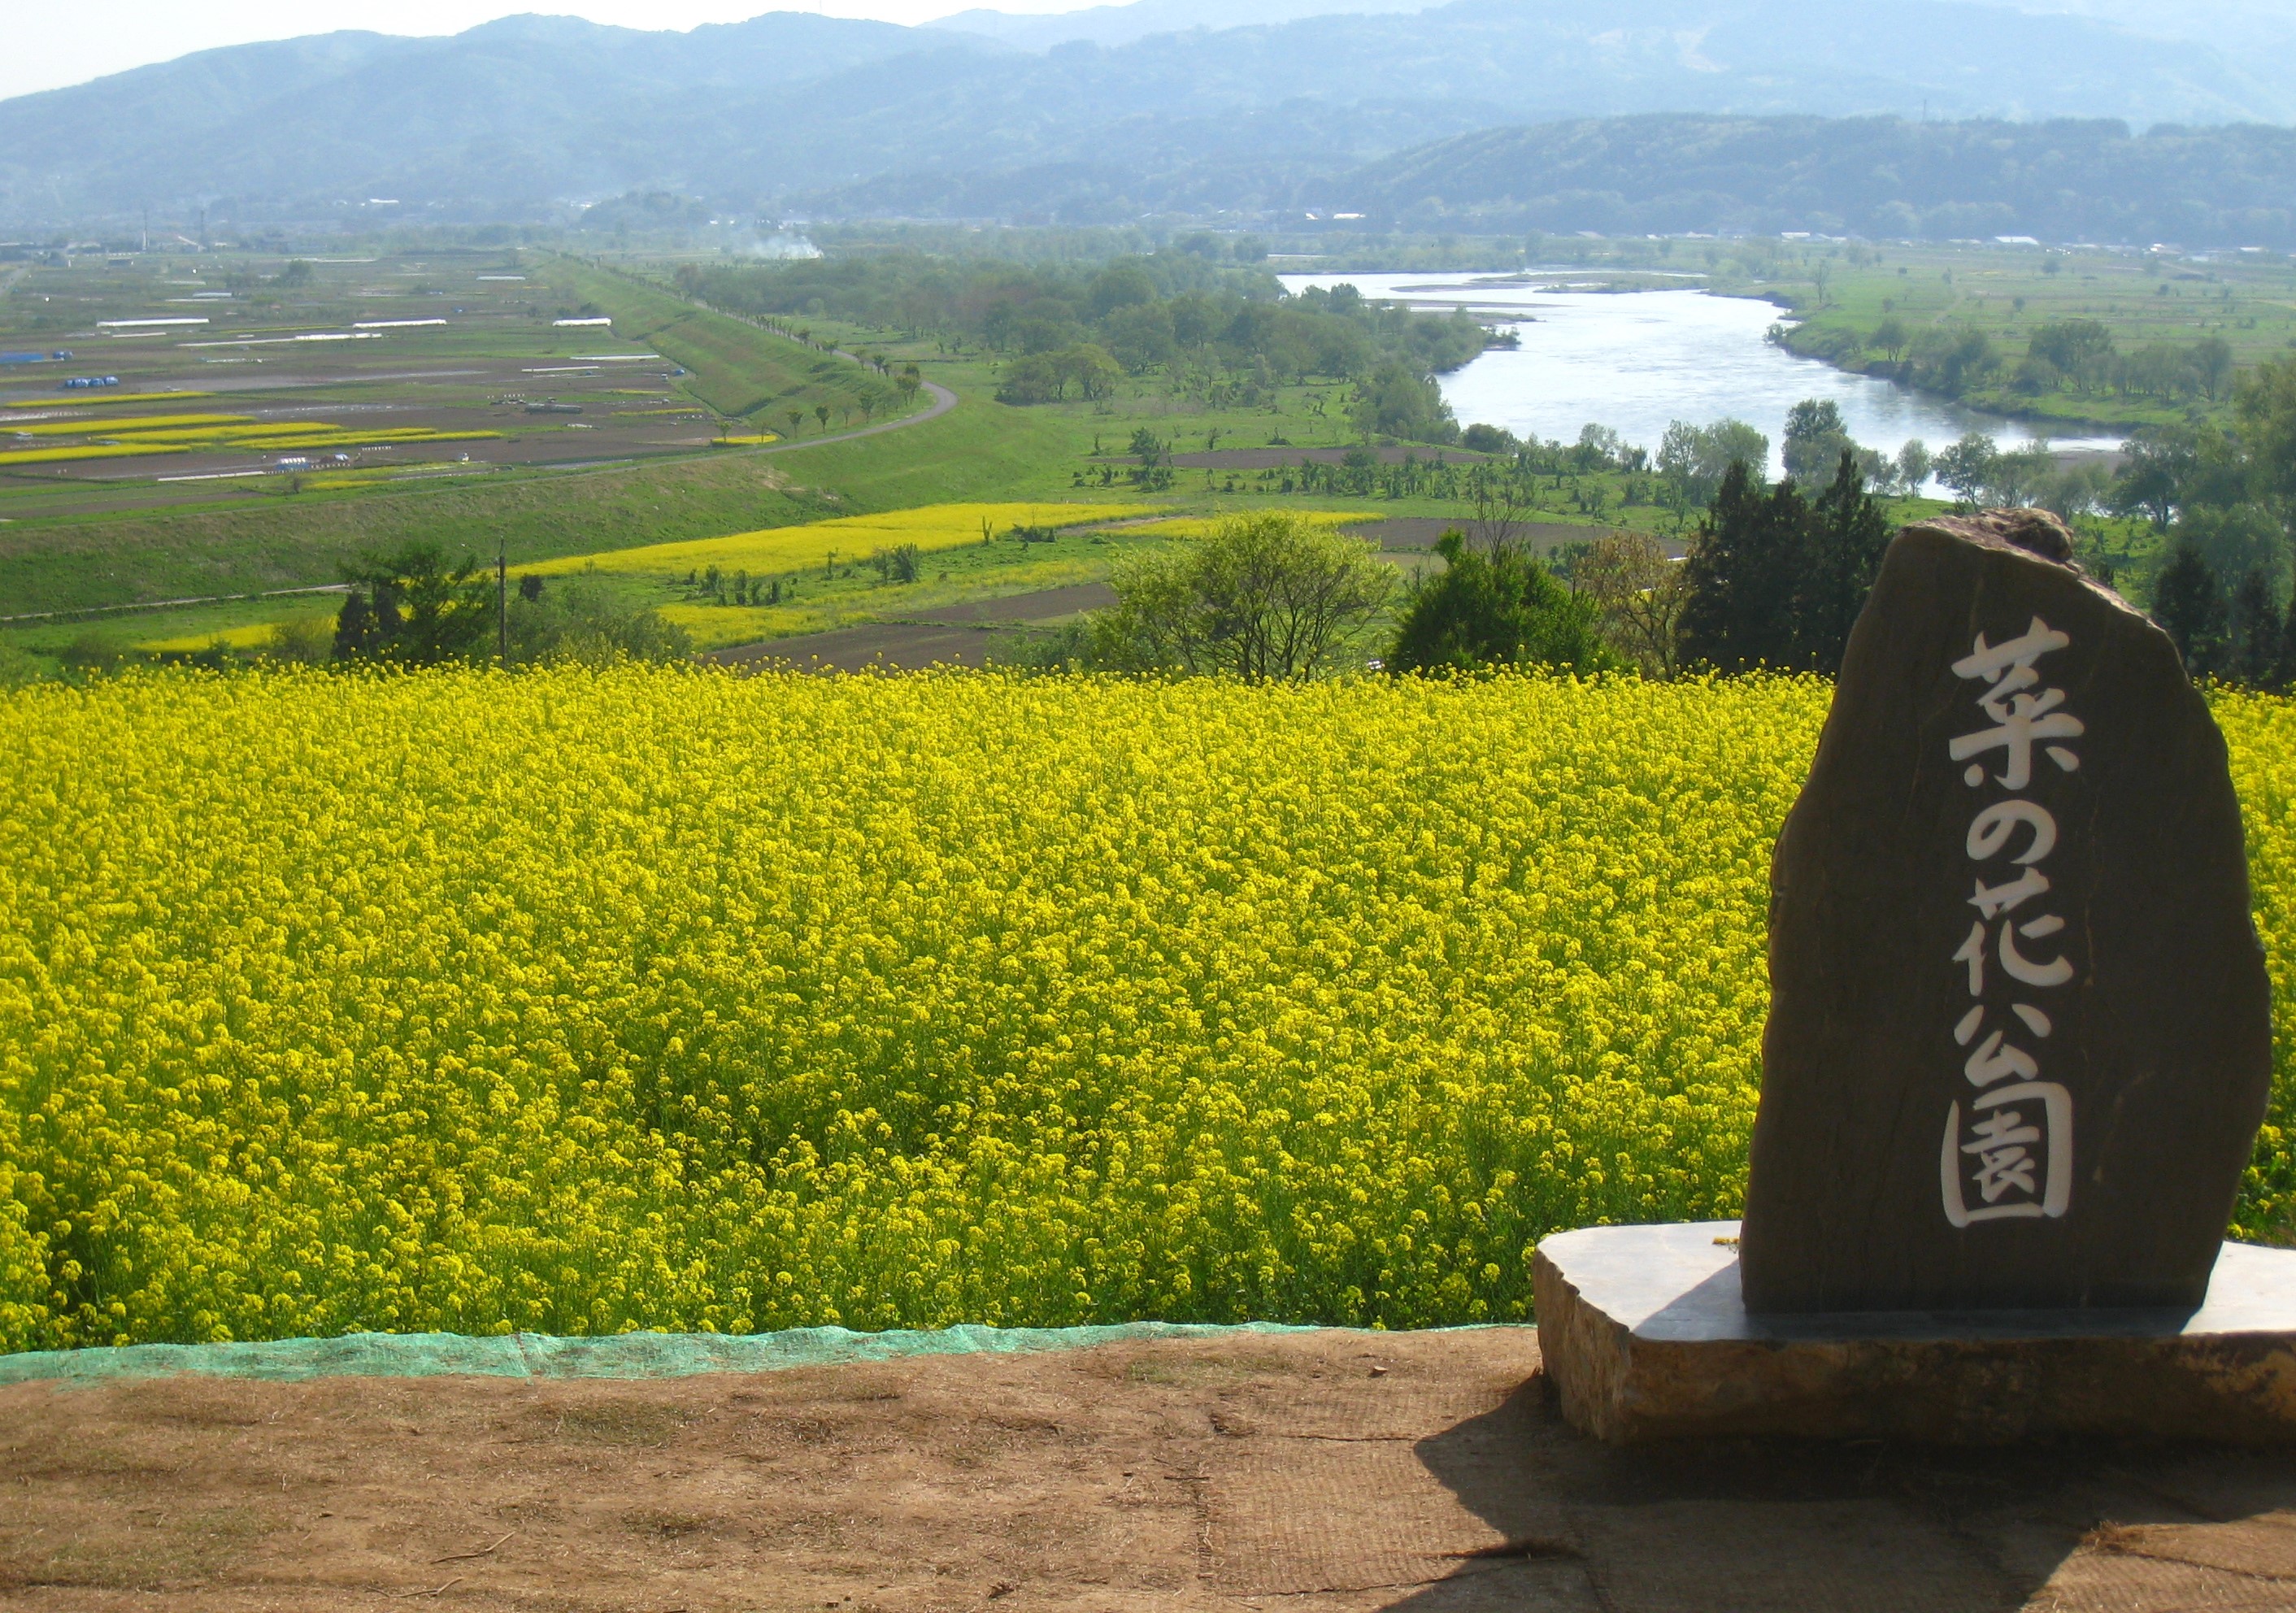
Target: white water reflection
point(1635, 361)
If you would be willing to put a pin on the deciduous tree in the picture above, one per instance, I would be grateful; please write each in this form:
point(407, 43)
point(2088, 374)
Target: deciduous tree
point(1641, 594)
point(1265, 597)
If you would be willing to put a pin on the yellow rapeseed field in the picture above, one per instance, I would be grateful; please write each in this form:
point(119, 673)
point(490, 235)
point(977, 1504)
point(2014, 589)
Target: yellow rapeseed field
point(228, 433)
point(583, 1002)
point(133, 422)
point(850, 538)
point(53, 454)
point(1202, 526)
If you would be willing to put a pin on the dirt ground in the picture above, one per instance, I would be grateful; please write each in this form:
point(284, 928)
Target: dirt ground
point(1322, 1472)
point(967, 634)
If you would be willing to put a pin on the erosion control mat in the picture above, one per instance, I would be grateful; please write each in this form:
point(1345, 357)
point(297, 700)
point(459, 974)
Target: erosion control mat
point(1156, 1469)
point(540, 1355)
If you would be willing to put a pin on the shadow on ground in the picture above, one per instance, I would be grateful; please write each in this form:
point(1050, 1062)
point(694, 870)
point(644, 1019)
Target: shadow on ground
point(1751, 1525)
point(1324, 1471)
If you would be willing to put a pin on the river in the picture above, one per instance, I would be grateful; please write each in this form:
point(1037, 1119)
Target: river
point(1636, 361)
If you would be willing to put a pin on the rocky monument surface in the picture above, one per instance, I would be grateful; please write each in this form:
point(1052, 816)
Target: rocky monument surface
point(2020, 1035)
point(2019, 1047)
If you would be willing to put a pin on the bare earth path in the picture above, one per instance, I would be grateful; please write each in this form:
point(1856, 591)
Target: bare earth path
point(1315, 1471)
point(943, 401)
point(952, 636)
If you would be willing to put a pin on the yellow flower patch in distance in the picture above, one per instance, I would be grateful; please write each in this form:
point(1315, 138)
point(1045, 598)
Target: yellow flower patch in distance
point(581, 1001)
point(329, 437)
point(247, 636)
point(133, 423)
point(88, 400)
point(51, 455)
point(230, 430)
point(850, 538)
point(712, 626)
point(1201, 525)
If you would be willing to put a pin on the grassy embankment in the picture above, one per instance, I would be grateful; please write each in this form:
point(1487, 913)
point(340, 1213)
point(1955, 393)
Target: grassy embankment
point(739, 371)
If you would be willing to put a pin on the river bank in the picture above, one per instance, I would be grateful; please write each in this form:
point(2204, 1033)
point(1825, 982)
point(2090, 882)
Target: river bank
point(1637, 362)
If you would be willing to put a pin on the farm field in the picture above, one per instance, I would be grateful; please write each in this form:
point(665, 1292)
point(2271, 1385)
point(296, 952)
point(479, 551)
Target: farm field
point(317, 409)
point(92, 536)
point(755, 588)
point(578, 1003)
point(375, 359)
point(90, 555)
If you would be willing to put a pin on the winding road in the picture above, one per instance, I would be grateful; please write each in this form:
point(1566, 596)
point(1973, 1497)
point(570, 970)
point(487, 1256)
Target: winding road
point(943, 401)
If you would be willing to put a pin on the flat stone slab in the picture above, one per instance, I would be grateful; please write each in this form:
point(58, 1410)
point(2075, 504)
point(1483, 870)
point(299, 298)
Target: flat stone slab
point(1645, 1337)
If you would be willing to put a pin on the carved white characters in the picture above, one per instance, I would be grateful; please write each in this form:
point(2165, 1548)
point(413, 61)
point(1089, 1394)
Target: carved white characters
point(2016, 1161)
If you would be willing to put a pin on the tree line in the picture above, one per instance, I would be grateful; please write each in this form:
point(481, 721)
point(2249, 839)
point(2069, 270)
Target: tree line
point(1884, 178)
point(1222, 332)
point(2076, 356)
point(415, 606)
point(2222, 497)
point(1774, 580)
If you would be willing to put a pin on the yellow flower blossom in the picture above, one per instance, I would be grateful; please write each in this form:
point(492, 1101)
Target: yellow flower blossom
point(583, 1002)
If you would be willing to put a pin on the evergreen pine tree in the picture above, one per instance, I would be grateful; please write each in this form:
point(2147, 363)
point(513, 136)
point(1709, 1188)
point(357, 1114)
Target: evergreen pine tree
point(1744, 569)
point(2256, 633)
point(2188, 603)
point(356, 637)
point(1848, 535)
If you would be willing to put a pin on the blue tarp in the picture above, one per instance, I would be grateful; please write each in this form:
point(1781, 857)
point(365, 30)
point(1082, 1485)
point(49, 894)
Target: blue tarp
point(543, 1355)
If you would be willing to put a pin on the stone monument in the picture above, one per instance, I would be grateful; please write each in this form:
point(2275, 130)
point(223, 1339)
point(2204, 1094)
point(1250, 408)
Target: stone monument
point(2018, 1046)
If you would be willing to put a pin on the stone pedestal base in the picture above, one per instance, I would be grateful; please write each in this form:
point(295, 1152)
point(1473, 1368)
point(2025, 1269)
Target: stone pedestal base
point(1644, 1337)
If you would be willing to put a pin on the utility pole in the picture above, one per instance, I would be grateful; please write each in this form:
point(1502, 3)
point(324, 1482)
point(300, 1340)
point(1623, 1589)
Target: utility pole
point(501, 600)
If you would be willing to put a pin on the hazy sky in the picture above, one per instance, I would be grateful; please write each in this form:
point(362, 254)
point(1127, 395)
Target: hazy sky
point(58, 42)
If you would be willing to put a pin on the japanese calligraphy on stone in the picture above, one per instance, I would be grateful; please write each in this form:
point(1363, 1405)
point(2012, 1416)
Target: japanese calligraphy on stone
point(2007, 1151)
point(2020, 1033)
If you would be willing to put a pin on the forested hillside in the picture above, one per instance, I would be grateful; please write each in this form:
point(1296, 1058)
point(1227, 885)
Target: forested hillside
point(1889, 177)
point(525, 117)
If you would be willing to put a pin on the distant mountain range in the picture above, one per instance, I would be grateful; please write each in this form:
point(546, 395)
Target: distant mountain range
point(1114, 25)
point(2239, 29)
point(990, 115)
point(1880, 177)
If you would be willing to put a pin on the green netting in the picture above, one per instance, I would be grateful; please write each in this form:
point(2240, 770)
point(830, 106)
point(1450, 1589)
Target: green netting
point(541, 1355)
